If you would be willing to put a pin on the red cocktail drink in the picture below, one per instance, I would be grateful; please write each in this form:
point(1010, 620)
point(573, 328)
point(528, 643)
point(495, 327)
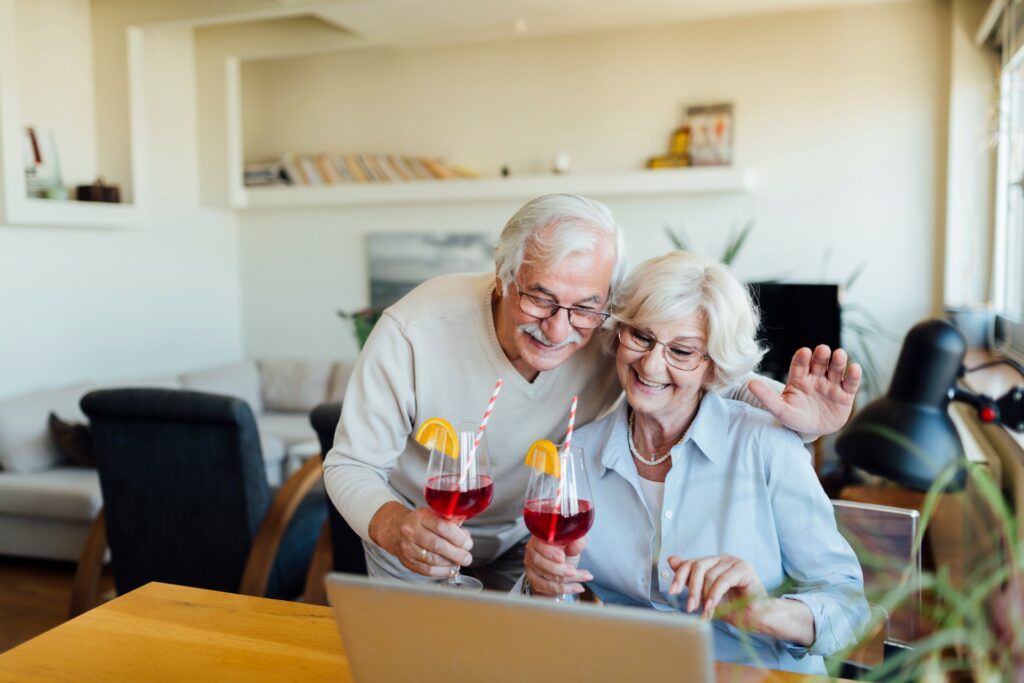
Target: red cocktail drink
point(546, 521)
point(445, 496)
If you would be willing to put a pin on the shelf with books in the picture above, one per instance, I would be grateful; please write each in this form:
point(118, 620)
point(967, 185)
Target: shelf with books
point(682, 181)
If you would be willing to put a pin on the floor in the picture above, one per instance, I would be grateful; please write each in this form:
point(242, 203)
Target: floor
point(34, 597)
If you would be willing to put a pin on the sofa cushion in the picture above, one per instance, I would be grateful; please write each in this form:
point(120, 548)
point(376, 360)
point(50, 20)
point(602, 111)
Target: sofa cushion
point(292, 428)
point(292, 385)
point(241, 380)
point(68, 493)
point(73, 440)
point(339, 382)
point(25, 444)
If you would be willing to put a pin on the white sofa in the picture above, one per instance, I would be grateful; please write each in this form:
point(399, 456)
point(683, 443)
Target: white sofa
point(48, 504)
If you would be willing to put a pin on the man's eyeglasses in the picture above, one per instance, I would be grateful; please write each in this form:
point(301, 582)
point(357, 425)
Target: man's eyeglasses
point(541, 308)
point(679, 356)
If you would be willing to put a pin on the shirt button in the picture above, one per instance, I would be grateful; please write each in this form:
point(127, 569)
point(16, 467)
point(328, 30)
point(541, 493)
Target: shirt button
point(665, 574)
point(668, 514)
point(643, 579)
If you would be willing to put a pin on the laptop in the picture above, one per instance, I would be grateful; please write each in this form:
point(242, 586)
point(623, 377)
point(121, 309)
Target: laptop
point(394, 631)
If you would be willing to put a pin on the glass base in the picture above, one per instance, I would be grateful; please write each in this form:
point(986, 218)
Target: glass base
point(567, 597)
point(461, 583)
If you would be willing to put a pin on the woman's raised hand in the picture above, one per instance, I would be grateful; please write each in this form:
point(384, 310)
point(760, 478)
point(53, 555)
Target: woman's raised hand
point(818, 396)
point(553, 570)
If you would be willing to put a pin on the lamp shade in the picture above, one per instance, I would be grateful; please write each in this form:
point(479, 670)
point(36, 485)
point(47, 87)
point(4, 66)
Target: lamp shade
point(907, 436)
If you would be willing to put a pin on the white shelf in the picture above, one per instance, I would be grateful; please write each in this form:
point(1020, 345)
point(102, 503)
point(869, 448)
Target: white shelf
point(71, 213)
point(635, 183)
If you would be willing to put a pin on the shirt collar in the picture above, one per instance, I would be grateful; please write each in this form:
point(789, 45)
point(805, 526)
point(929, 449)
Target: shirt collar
point(705, 432)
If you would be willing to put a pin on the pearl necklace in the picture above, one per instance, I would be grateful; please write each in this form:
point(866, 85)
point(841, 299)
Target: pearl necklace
point(654, 459)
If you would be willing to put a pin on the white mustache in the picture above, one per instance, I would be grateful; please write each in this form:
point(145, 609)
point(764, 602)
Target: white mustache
point(533, 329)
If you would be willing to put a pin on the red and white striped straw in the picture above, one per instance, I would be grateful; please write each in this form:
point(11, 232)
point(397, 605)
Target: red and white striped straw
point(572, 419)
point(487, 414)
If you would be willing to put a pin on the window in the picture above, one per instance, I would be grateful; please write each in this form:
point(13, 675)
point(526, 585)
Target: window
point(1008, 254)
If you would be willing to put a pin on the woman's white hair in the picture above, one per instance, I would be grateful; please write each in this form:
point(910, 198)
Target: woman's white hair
point(553, 227)
point(670, 287)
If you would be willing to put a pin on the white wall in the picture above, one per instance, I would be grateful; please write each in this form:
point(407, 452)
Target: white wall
point(842, 114)
point(103, 304)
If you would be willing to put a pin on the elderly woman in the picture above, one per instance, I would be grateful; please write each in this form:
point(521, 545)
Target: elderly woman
point(702, 497)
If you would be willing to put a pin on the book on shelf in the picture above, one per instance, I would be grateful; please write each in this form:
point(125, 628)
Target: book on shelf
point(378, 170)
point(264, 173)
point(365, 167)
point(341, 168)
point(399, 167)
point(438, 169)
point(419, 170)
point(354, 169)
point(292, 169)
point(310, 170)
point(326, 169)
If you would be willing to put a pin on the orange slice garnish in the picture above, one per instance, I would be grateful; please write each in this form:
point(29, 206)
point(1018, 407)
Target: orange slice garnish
point(543, 456)
point(438, 433)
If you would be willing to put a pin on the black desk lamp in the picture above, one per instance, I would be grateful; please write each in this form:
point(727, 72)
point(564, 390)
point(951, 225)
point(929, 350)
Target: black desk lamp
point(907, 436)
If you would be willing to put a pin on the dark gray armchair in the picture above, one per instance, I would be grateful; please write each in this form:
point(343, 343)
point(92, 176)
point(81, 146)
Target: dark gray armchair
point(186, 499)
point(346, 546)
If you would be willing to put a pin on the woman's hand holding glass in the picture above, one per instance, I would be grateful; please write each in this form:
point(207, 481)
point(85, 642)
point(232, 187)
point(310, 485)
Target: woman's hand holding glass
point(553, 569)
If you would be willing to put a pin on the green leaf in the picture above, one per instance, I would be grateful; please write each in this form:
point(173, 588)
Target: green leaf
point(854, 275)
point(678, 240)
point(732, 249)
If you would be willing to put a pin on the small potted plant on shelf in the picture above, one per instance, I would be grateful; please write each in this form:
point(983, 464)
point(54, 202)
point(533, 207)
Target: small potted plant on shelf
point(363, 321)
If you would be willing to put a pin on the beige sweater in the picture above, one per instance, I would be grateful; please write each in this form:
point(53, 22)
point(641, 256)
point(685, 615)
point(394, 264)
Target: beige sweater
point(435, 353)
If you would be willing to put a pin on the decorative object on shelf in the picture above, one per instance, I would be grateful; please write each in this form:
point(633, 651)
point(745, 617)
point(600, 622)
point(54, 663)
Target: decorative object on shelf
point(678, 150)
point(710, 135)
point(401, 261)
point(42, 165)
point(363, 321)
point(99, 191)
point(975, 323)
point(561, 164)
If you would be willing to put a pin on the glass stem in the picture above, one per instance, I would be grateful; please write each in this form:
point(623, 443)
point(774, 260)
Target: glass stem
point(454, 575)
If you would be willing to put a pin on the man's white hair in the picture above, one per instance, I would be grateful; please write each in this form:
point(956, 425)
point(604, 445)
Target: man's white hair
point(551, 228)
point(668, 288)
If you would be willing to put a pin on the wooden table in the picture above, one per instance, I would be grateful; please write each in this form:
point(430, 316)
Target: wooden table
point(162, 632)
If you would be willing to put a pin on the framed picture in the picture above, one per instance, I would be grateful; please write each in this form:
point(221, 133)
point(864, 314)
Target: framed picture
point(400, 261)
point(42, 167)
point(710, 142)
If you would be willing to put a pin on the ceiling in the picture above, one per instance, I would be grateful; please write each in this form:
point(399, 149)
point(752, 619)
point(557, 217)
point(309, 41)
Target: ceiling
point(439, 21)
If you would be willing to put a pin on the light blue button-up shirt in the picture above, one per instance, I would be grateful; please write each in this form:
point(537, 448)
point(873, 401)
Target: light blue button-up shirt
point(742, 485)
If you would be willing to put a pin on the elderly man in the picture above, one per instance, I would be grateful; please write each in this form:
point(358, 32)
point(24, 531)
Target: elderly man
point(438, 352)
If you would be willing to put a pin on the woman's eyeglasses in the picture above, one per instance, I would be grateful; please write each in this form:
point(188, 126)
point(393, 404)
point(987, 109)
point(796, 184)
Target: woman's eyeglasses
point(677, 355)
point(539, 307)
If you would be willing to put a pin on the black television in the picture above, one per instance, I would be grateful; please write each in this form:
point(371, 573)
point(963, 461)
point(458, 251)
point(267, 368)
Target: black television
point(794, 315)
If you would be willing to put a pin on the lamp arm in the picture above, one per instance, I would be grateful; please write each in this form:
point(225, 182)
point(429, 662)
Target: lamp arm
point(1007, 410)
